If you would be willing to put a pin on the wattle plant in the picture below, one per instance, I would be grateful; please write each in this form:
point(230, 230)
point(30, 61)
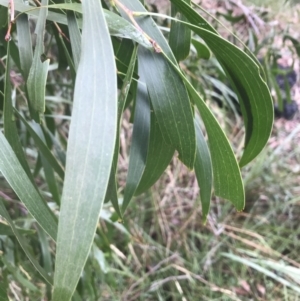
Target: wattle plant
point(117, 58)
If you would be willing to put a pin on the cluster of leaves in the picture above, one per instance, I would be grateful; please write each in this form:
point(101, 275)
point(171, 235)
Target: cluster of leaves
point(169, 115)
point(251, 26)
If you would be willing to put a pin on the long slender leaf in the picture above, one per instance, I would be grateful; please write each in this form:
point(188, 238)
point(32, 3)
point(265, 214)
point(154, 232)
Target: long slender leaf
point(48, 169)
point(203, 170)
point(24, 43)
point(46, 251)
point(158, 158)
point(255, 99)
point(111, 193)
point(227, 178)
point(180, 35)
point(37, 77)
point(25, 52)
point(75, 36)
point(15, 169)
point(23, 187)
point(64, 53)
point(23, 243)
point(193, 16)
point(90, 151)
point(167, 92)
point(139, 145)
point(170, 103)
point(42, 147)
point(47, 258)
point(6, 230)
point(10, 128)
point(202, 50)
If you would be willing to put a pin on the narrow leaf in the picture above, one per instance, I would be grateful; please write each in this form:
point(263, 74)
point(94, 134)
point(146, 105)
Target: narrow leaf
point(171, 104)
point(37, 77)
point(24, 44)
point(227, 178)
point(23, 243)
point(75, 36)
point(202, 50)
point(64, 53)
point(228, 182)
point(23, 187)
point(10, 128)
point(193, 16)
point(203, 170)
point(90, 151)
point(180, 35)
point(48, 169)
point(255, 99)
point(111, 193)
point(158, 158)
point(6, 230)
point(167, 92)
point(45, 251)
point(43, 148)
point(25, 52)
point(139, 145)
point(15, 168)
point(149, 26)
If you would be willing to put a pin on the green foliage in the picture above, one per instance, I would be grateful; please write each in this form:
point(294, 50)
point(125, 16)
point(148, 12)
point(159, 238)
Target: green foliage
point(121, 62)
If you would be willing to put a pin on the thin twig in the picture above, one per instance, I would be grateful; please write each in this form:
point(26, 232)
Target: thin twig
point(55, 24)
point(11, 9)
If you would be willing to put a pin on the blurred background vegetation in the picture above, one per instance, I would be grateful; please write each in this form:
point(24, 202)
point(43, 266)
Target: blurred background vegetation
point(165, 252)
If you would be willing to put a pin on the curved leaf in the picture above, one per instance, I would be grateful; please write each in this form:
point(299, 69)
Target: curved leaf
point(158, 158)
point(167, 92)
point(23, 187)
point(24, 44)
point(75, 35)
point(111, 193)
point(149, 26)
point(90, 151)
point(180, 35)
point(37, 77)
point(227, 177)
point(15, 168)
point(202, 50)
point(10, 128)
point(139, 145)
point(43, 148)
point(255, 99)
point(193, 16)
point(228, 181)
point(203, 170)
point(170, 103)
